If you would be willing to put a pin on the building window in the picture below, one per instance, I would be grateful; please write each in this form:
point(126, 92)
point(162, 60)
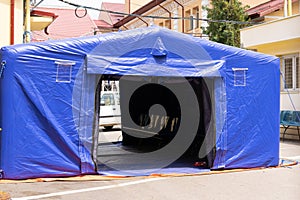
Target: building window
point(196, 17)
point(187, 22)
point(291, 72)
point(168, 24)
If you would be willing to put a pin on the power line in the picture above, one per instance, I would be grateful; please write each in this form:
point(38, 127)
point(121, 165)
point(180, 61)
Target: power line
point(156, 17)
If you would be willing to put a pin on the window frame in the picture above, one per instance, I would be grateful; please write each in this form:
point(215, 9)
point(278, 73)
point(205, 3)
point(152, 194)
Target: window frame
point(295, 70)
point(187, 26)
point(196, 16)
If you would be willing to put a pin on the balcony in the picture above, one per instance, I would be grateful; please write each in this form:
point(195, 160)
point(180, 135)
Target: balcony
point(274, 31)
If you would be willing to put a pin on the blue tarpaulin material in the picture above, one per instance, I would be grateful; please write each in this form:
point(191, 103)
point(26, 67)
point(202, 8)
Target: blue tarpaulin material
point(47, 93)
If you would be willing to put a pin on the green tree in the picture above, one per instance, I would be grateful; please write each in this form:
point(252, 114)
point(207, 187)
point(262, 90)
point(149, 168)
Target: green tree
point(234, 15)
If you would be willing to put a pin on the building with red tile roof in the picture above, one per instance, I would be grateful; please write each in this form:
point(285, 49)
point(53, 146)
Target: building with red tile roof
point(106, 20)
point(266, 8)
point(69, 23)
point(111, 18)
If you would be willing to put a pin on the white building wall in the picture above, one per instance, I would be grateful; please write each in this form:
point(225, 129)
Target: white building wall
point(5, 22)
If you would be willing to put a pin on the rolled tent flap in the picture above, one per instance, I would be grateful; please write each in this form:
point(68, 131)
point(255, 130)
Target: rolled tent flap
point(152, 54)
point(149, 66)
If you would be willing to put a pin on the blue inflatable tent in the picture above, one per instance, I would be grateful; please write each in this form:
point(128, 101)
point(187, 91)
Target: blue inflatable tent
point(49, 101)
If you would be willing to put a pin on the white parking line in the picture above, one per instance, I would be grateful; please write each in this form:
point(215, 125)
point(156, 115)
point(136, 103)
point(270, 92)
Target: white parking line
point(88, 189)
point(293, 158)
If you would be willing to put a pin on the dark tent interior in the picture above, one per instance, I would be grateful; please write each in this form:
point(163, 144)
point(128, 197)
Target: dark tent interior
point(154, 128)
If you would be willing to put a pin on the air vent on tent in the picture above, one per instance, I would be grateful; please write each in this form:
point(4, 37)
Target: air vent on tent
point(159, 48)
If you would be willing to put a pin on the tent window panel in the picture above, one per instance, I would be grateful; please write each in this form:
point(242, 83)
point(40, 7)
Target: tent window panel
point(64, 71)
point(240, 76)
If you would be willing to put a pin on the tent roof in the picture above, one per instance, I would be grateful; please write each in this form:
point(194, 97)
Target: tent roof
point(146, 47)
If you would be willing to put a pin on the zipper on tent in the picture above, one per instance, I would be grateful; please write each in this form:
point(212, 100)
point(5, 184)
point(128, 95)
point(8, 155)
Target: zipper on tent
point(3, 63)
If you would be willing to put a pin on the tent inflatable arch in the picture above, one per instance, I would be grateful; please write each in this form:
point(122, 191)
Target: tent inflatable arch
point(224, 102)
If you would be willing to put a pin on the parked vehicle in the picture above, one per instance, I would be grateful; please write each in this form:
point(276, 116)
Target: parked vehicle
point(110, 112)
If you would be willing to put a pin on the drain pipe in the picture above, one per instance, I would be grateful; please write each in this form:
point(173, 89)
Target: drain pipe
point(182, 14)
point(170, 15)
point(12, 21)
point(27, 22)
point(285, 8)
point(129, 6)
point(290, 12)
point(143, 21)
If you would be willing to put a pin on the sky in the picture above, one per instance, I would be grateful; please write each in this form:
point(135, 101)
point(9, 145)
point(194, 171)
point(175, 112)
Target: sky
point(91, 3)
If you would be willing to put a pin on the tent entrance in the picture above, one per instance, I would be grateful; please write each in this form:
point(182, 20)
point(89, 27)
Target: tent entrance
point(151, 138)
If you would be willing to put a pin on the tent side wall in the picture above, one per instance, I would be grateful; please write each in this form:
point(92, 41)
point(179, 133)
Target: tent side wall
point(39, 136)
point(254, 115)
point(6, 107)
point(251, 135)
